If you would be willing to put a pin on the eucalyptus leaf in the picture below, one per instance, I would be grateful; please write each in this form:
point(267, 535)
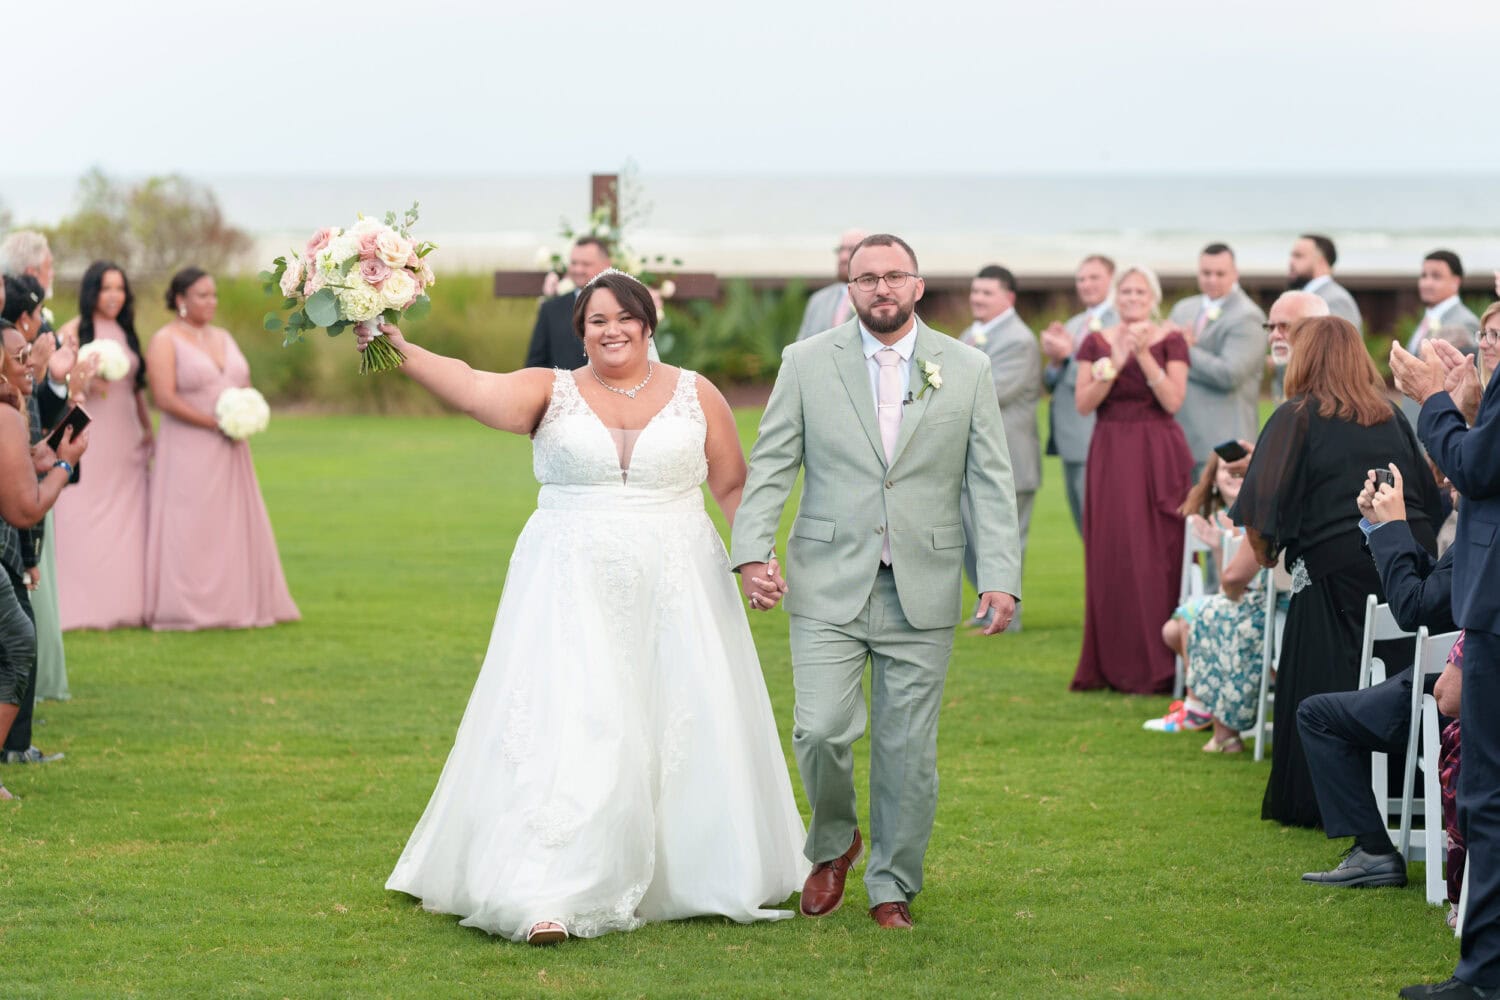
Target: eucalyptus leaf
point(271, 321)
point(289, 304)
point(419, 308)
point(323, 307)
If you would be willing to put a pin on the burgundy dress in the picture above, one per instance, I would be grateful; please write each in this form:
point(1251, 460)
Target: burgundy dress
point(1139, 471)
point(211, 559)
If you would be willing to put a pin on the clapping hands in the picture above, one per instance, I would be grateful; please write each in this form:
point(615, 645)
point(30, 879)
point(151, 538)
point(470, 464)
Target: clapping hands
point(1057, 343)
point(762, 584)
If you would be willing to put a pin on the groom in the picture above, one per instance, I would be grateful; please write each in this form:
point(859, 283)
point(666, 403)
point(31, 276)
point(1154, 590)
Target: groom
point(890, 421)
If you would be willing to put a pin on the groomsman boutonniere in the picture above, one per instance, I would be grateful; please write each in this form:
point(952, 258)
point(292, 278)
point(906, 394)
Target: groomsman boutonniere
point(1095, 324)
point(1214, 312)
point(981, 338)
point(932, 376)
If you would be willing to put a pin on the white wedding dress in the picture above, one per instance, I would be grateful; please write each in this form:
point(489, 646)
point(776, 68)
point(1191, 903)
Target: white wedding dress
point(618, 761)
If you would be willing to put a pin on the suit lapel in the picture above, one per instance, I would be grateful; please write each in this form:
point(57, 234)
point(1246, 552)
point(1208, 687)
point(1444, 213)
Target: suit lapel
point(929, 348)
point(849, 359)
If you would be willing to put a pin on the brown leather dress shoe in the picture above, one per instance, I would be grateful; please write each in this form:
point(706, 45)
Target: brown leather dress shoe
point(892, 916)
point(823, 892)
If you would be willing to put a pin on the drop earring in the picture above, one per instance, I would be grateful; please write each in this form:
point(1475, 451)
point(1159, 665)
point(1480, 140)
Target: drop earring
point(182, 311)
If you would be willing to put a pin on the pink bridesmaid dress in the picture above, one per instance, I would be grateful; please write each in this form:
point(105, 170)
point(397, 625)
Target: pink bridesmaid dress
point(101, 521)
point(211, 559)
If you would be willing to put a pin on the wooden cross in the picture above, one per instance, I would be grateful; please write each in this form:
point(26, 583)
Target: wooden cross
point(603, 193)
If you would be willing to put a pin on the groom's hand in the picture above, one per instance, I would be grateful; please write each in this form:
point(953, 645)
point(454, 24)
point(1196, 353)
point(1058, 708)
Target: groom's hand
point(1003, 607)
point(762, 584)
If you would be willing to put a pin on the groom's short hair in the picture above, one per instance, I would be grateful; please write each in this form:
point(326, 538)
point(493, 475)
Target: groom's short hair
point(1001, 274)
point(887, 240)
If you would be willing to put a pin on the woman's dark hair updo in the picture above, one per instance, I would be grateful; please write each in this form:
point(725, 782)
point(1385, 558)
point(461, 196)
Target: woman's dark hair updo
point(181, 282)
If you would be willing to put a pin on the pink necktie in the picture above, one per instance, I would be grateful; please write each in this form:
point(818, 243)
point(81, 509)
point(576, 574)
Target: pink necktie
point(888, 406)
point(1202, 322)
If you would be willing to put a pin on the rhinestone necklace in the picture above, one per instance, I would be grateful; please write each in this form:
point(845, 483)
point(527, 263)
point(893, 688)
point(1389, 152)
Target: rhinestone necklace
point(623, 392)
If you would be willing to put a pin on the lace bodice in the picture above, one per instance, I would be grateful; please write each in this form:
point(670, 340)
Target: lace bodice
point(572, 446)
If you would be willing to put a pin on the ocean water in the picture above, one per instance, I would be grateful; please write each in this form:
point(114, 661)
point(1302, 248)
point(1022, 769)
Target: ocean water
point(787, 225)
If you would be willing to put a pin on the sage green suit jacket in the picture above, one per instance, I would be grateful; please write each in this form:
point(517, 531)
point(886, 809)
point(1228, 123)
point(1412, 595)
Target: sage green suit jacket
point(821, 418)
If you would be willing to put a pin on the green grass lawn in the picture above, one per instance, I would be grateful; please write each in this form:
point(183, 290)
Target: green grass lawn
point(232, 803)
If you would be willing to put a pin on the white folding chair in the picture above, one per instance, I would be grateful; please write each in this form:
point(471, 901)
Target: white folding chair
point(1422, 751)
point(1463, 904)
point(1275, 582)
point(1380, 625)
point(1192, 585)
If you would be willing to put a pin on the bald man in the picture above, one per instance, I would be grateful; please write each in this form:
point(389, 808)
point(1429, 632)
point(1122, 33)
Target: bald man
point(828, 307)
point(1286, 312)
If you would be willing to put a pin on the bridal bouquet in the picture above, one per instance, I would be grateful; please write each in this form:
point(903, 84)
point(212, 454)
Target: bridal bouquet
point(370, 273)
point(241, 413)
point(111, 361)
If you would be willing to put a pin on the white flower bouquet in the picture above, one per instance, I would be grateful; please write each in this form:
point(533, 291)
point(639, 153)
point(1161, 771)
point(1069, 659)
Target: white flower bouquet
point(111, 361)
point(241, 413)
point(371, 272)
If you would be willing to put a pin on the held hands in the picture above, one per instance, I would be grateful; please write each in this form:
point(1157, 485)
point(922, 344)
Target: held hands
point(997, 606)
point(763, 584)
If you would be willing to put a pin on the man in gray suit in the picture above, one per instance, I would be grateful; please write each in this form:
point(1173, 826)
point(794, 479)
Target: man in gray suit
point(1016, 368)
point(1438, 287)
point(1226, 355)
point(828, 307)
point(890, 422)
point(1068, 430)
point(1310, 269)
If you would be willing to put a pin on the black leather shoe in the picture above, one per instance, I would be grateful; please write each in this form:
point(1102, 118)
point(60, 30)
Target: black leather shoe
point(1360, 869)
point(31, 755)
point(1453, 989)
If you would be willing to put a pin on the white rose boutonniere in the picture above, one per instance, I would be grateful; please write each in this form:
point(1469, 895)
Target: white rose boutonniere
point(981, 338)
point(932, 376)
point(1214, 312)
point(1095, 324)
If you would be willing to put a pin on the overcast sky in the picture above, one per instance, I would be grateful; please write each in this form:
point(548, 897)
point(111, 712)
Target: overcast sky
point(770, 87)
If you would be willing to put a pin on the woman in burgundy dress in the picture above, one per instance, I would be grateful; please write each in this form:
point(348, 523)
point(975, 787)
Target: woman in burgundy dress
point(1139, 469)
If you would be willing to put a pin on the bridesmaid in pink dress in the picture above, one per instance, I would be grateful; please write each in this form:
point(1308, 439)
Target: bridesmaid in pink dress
point(101, 522)
point(211, 559)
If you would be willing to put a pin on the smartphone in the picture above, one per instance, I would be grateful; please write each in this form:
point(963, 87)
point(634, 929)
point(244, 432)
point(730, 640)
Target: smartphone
point(77, 419)
point(1230, 451)
point(1384, 476)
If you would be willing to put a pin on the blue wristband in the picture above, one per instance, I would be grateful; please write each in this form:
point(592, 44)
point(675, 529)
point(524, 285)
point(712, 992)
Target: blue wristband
point(64, 466)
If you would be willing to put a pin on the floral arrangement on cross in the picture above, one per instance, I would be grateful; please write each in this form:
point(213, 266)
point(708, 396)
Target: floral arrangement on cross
point(608, 224)
point(372, 272)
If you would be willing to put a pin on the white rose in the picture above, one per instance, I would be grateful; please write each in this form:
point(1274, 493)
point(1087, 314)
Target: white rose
point(565, 286)
point(392, 249)
point(291, 281)
point(1096, 324)
point(399, 289)
point(668, 288)
point(935, 380)
point(366, 225)
point(1214, 312)
point(359, 302)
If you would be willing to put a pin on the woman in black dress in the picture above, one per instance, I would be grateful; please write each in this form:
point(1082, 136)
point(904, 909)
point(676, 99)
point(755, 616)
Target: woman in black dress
point(1310, 463)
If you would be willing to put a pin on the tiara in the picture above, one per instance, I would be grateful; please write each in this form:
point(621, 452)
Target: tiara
point(615, 270)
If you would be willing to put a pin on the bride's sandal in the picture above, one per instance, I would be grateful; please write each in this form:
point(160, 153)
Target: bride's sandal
point(546, 932)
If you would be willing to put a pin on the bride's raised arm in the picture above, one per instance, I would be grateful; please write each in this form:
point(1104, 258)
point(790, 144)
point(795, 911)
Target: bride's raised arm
point(507, 401)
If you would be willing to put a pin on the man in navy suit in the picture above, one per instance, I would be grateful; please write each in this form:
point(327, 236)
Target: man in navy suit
point(1464, 440)
point(553, 342)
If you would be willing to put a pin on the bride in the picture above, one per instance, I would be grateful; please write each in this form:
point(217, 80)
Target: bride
point(618, 761)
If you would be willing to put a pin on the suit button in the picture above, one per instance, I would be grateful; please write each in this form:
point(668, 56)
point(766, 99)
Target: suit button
point(880, 530)
point(889, 485)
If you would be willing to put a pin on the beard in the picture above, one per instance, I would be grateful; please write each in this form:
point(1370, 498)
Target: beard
point(876, 324)
point(1297, 282)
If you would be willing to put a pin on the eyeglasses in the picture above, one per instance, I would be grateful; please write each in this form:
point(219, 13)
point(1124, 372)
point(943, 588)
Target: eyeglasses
point(1489, 336)
point(1283, 326)
point(892, 279)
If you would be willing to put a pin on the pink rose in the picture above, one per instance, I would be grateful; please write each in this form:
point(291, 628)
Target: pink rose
point(374, 271)
point(413, 262)
point(320, 239)
point(367, 248)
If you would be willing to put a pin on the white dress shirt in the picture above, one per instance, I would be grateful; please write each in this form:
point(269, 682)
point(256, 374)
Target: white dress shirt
point(1318, 282)
point(906, 347)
